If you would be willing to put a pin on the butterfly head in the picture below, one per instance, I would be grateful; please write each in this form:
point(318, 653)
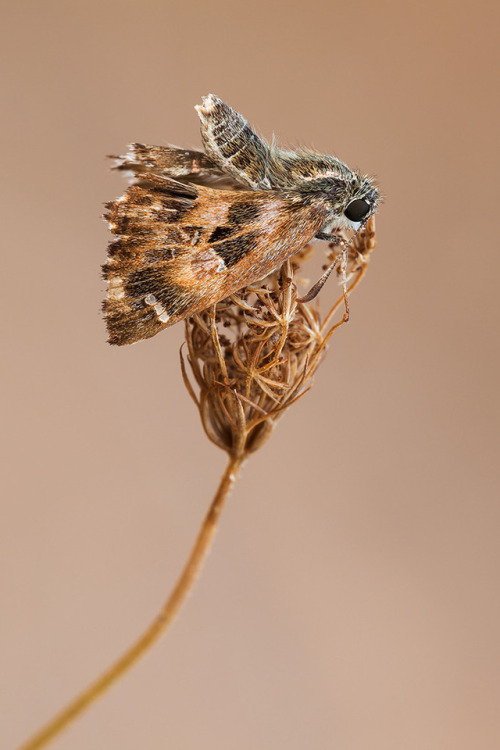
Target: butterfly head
point(356, 200)
point(350, 197)
point(349, 200)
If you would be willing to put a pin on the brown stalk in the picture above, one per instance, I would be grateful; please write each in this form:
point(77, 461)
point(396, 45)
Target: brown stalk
point(159, 625)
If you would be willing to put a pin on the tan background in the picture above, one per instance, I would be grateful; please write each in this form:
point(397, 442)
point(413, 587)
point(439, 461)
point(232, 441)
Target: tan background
point(351, 600)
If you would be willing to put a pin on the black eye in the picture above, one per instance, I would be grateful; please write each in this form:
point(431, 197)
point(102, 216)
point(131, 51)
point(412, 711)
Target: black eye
point(357, 210)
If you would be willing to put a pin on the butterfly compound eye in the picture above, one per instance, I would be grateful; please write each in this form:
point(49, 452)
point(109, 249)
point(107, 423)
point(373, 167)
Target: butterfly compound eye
point(357, 210)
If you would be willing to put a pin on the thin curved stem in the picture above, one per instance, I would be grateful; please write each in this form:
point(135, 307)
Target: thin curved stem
point(159, 625)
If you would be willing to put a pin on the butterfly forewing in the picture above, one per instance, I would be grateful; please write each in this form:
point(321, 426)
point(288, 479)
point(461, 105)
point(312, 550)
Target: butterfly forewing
point(180, 248)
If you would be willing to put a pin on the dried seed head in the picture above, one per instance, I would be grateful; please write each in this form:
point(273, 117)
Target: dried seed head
point(255, 353)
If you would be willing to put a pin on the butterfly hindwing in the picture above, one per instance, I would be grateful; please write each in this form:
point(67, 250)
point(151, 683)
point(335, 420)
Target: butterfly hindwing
point(184, 165)
point(231, 144)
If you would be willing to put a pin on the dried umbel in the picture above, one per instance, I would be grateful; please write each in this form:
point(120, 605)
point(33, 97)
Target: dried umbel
point(254, 354)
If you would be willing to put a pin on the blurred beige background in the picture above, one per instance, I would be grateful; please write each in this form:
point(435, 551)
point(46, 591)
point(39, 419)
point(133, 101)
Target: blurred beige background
point(351, 600)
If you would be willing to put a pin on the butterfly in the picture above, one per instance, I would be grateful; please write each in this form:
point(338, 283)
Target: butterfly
point(196, 226)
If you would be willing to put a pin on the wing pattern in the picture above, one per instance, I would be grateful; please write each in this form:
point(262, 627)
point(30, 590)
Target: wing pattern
point(180, 248)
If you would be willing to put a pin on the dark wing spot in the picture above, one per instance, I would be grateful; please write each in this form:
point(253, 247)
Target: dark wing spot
point(153, 280)
point(243, 212)
point(223, 232)
point(233, 250)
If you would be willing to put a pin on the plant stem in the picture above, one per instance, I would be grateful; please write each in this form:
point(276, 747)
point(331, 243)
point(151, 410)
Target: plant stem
point(159, 625)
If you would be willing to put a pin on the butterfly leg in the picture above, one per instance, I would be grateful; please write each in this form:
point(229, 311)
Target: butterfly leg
point(335, 239)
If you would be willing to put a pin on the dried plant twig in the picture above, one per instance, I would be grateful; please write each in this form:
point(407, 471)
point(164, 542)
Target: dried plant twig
point(156, 628)
point(249, 358)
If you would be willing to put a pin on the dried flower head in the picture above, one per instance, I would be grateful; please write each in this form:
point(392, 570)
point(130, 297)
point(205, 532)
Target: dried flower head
point(255, 353)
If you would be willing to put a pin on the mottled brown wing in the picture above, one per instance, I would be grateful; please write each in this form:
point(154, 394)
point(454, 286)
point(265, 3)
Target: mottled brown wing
point(232, 145)
point(180, 248)
point(182, 164)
